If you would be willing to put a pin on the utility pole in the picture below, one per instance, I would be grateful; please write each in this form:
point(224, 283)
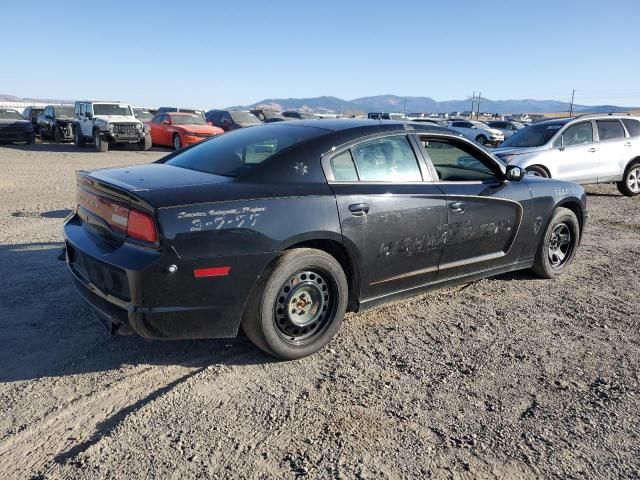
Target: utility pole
point(473, 101)
point(478, 111)
point(573, 93)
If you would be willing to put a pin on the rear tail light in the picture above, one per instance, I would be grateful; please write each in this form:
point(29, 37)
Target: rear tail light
point(141, 226)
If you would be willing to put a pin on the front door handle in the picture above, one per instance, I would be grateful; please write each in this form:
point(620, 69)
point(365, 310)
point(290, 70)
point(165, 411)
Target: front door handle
point(457, 207)
point(359, 209)
point(628, 144)
point(592, 149)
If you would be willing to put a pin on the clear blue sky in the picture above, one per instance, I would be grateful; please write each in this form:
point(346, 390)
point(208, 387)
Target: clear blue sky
point(207, 54)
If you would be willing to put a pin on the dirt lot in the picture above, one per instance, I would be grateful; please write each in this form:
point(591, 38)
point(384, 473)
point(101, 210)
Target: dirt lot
point(511, 377)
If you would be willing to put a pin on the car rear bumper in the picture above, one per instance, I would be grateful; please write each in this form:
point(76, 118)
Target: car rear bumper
point(130, 288)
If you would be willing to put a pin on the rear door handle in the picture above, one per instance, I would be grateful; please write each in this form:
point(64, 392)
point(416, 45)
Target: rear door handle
point(359, 209)
point(457, 207)
point(628, 144)
point(592, 149)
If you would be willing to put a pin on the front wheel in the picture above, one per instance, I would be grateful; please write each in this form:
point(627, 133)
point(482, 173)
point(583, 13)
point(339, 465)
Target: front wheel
point(297, 308)
point(78, 139)
point(177, 143)
point(537, 171)
point(100, 144)
point(57, 137)
point(630, 184)
point(481, 139)
point(558, 246)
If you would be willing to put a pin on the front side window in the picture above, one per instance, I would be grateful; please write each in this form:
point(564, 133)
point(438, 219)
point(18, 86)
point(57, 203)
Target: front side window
point(453, 164)
point(633, 127)
point(387, 160)
point(578, 134)
point(609, 129)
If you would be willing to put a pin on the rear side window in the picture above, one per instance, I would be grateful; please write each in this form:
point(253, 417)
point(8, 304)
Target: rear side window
point(610, 129)
point(387, 160)
point(633, 127)
point(578, 134)
point(236, 153)
point(343, 168)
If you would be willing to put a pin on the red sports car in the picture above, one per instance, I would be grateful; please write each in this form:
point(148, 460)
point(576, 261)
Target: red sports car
point(180, 129)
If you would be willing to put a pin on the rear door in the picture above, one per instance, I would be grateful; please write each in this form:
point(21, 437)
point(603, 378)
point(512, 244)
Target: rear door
point(484, 211)
point(389, 214)
point(613, 150)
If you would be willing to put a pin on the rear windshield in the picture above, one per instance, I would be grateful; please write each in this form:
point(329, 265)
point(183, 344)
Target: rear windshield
point(236, 153)
point(142, 115)
point(533, 135)
point(244, 117)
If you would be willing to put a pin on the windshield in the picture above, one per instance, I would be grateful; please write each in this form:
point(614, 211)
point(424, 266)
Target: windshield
point(237, 152)
point(480, 124)
point(111, 109)
point(187, 119)
point(533, 135)
point(10, 115)
point(518, 125)
point(142, 115)
point(244, 117)
point(64, 112)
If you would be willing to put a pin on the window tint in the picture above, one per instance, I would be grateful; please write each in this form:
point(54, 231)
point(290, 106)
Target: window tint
point(462, 124)
point(452, 163)
point(343, 168)
point(578, 134)
point(387, 160)
point(633, 127)
point(609, 129)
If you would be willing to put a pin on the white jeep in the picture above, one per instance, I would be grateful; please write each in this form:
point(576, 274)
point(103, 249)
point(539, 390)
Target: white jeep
point(109, 123)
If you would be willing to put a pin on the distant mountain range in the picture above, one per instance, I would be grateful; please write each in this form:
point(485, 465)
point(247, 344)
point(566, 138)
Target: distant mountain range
point(394, 103)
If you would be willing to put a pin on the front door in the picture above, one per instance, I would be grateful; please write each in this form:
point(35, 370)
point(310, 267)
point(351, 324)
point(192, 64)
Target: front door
point(484, 212)
point(395, 221)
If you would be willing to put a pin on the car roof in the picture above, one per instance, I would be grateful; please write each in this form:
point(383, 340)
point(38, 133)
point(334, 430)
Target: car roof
point(344, 124)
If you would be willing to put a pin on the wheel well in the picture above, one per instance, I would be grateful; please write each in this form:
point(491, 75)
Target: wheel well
point(541, 167)
point(576, 208)
point(338, 251)
point(631, 162)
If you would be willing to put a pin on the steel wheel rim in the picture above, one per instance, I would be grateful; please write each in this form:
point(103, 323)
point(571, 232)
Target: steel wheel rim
point(633, 180)
point(176, 142)
point(304, 307)
point(560, 244)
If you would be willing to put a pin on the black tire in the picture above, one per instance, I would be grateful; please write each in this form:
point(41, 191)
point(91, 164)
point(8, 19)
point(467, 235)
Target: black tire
point(629, 186)
point(177, 143)
point(78, 138)
point(145, 143)
point(100, 144)
point(556, 253)
point(56, 134)
point(298, 305)
point(538, 171)
point(481, 139)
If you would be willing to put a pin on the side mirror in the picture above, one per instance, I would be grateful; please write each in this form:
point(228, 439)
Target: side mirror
point(514, 173)
point(165, 122)
point(88, 115)
point(210, 124)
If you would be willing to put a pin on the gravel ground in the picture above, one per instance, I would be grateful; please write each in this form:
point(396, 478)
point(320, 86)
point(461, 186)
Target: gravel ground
point(510, 377)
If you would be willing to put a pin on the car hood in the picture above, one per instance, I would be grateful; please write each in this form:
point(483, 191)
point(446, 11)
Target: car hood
point(117, 118)
point(7, 121)
point(517, 150)
point(198, 129)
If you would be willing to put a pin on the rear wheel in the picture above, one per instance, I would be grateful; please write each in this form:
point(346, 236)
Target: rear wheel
point(177, 143)
point(558, 245)
point(481, 139)
point(298, 306)
point(100, 144)
point(630, 184)
point(78, 139)
point(538, 171)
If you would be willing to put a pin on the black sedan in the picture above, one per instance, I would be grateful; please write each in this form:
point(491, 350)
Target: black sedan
point(282, 228)
point(57, 123)
point(14, 127)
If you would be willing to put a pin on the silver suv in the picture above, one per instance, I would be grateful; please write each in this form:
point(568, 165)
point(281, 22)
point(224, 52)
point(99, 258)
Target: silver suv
point(597, 148)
